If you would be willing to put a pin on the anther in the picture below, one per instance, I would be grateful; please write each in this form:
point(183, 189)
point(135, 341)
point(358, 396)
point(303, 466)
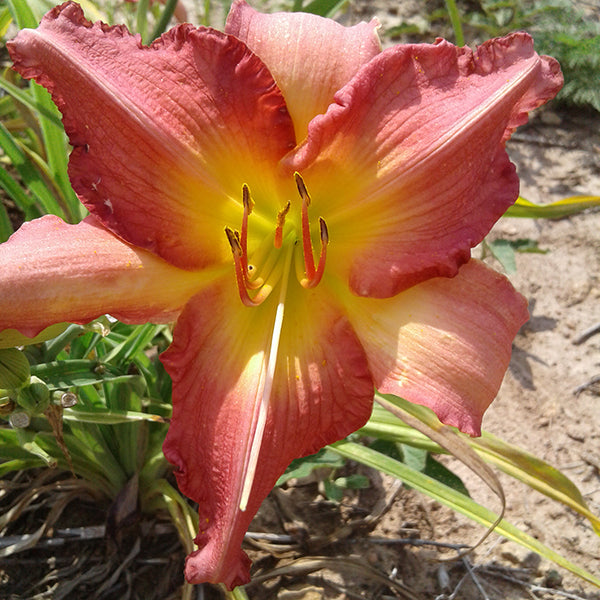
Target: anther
point(307, 249)
point(238, 258)
point(316, 279)
point(280, 223)
point(302, 188)
point(234, 242)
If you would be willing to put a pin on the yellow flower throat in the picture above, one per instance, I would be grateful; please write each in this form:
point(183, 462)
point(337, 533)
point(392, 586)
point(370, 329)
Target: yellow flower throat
point(257, 278)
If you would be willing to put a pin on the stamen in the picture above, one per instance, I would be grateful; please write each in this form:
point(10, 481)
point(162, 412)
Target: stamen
point(260, 415)
point(234, 241)
point(307, 249)
point(314, 282)
point(313, 275)
point(280, 223)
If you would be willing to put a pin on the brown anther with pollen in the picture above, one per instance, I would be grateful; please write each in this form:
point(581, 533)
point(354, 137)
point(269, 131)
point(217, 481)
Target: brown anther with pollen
point(280, 223)
point(234, 241)
point(239, 259)
point(313, 274)
point(302, 188)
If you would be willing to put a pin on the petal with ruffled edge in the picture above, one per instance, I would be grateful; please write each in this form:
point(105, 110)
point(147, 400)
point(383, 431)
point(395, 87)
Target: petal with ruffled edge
point(54, 272)
point(413, 150)
point(310, 57)
point(445, 343)
point(322, 391)
point(164, 135)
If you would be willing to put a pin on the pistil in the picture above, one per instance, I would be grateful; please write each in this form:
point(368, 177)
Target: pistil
point(248, 206)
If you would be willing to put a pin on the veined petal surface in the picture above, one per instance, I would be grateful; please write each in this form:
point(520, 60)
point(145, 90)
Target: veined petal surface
point(53, 272)
point(413, 150)
point(164, 136)
point(321, 391)
point(310, 57)
point(445, 343)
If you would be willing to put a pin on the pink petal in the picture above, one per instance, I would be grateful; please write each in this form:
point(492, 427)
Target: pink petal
point(53, 272)
point(413, 150)
point(164, 136)
point(444, 343)
point(322, 391)
point(310, 57)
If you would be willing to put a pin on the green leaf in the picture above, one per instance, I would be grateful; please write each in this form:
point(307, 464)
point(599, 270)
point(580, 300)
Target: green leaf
point(64, 374)
point(164, 19)
point(30, 175)
point(55, 145)
point(5, 21)
point(438, 471)
point(24, 97)
point(323, 8)
point(22, 14)
point(557, 210)
point(136, 342)
point(333, 491)
point(415, 458)
point(455, 500)
point(503, 251)
point(109, 417)
point(20, 198)
point(14, 368)
point(6, 228)
point(303, 467)
point(514, 461)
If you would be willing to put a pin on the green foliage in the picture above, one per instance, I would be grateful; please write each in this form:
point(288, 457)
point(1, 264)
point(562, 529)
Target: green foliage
point(504, 251)
point(561, 29)
point(303, 467)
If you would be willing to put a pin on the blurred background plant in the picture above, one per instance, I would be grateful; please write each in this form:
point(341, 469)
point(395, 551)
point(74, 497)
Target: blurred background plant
point(84, 409)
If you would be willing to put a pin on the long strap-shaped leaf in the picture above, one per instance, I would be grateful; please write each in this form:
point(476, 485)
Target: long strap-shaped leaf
point(455, 500)
point(514, 461)
point(563, 208)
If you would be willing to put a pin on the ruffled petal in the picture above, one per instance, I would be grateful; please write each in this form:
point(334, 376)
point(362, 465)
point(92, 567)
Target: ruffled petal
point(321, 391)
point(413, 150)
point(310, 57)
point(53, 272)
point(445, 343)
point(164, 135)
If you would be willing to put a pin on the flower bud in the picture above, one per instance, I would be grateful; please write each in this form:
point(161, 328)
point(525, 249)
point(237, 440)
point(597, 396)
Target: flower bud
point(35, 397)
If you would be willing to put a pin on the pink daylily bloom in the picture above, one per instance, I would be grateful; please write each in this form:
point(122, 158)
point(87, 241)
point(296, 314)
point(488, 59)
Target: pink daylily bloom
point(304, 205)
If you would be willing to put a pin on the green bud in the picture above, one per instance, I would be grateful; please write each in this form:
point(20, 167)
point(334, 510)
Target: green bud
point(14, 368)
point(35, 397)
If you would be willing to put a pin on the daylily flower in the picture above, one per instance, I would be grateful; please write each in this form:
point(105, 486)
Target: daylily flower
point(304, 205)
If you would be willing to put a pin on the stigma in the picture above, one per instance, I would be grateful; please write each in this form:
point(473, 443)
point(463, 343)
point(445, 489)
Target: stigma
point(257, 275)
